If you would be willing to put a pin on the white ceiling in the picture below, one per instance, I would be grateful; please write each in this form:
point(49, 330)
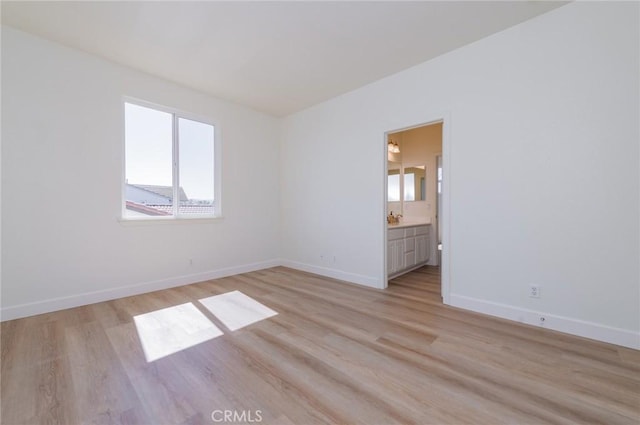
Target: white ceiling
point(276, 57)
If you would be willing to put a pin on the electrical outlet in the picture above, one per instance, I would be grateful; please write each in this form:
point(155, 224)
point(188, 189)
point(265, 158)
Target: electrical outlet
point(534, 291)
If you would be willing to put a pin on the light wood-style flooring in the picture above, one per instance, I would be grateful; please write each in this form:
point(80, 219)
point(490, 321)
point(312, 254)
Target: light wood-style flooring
point(334, 354)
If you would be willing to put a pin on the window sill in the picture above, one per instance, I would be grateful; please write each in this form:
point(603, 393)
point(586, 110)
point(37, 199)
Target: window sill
point(147, 221)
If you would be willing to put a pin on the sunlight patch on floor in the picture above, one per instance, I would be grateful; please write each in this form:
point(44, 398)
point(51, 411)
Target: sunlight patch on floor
point(167, 331)
point(236, 310)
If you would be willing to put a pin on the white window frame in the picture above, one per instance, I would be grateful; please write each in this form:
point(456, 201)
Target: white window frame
point(217, 165)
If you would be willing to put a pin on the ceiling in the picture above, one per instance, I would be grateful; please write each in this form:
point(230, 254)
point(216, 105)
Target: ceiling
point(276, 57)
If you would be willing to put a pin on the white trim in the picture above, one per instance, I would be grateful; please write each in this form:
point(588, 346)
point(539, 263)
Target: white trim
point(145, 221)
point(623, 337)
point(123, 159)
point(334, 274)
point(217, 170)
point(567, 325)
point(169, 110)
point(384, 282)
point(445, 260)
point(61, 303)
point(175, 169)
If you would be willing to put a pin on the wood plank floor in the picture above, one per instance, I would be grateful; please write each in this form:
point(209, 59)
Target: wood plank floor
point(335, 353)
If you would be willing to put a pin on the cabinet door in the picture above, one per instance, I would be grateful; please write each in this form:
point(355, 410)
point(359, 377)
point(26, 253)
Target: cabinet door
point(390, 257)
point(409, 244)
point(395, 256)
point(422, 248)
point(399, 254)
point(409, 259)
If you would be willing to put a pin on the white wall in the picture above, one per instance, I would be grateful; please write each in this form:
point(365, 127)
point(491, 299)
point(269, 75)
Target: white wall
point(62, 152)
point(544, 184)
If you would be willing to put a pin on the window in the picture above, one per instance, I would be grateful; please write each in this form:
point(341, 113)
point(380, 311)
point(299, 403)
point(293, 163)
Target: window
point(170, 165)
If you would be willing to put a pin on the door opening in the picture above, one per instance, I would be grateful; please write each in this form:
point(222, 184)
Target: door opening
point(416, 199)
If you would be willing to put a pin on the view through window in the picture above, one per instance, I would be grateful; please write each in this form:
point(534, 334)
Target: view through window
point(169, 169)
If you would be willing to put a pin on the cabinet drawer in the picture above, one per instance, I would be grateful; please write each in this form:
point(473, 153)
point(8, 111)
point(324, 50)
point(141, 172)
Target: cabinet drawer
point(396, 234)
point(422, 230)
point(409, 232)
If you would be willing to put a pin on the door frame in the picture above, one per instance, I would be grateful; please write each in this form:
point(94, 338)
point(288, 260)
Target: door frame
point(445, 265)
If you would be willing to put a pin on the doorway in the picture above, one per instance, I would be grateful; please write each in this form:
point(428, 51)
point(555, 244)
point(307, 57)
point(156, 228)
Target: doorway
point(416, 196)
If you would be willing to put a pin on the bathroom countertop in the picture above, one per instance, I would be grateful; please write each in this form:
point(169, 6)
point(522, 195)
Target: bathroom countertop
point(409, 222)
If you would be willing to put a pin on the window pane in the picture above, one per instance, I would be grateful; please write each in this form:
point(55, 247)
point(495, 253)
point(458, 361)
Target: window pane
point(148, 156)
point(196, 167)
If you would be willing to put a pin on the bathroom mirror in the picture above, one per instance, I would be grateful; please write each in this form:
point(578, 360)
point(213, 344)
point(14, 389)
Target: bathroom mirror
point(415, 185)
point(393, 182)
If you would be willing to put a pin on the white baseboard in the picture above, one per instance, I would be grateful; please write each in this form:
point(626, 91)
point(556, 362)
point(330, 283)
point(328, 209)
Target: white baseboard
point(568, 325)
point(61, 303)
point(335, 274)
